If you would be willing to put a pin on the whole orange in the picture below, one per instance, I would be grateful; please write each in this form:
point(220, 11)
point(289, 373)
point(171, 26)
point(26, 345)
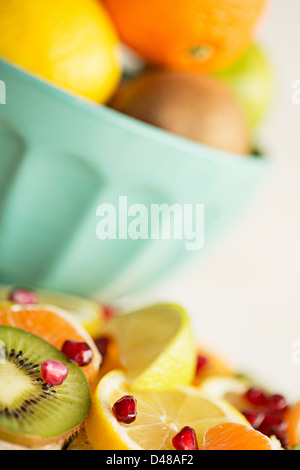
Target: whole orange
point(192, 35)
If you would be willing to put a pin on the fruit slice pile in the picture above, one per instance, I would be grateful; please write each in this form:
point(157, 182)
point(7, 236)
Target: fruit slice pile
point(155, 389)
point(56, 327)
point(88, 312)
point(159, 415)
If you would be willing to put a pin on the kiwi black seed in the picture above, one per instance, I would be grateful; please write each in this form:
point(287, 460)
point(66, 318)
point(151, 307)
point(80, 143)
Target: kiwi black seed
point(31, 410)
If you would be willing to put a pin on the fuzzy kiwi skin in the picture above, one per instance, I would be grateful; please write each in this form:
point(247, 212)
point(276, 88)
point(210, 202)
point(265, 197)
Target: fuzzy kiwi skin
point(194, 106)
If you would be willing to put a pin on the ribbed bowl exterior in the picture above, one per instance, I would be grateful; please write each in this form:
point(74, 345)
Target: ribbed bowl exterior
point(61, 157)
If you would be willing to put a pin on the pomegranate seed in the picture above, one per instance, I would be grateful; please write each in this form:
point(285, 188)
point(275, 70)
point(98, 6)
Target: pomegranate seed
point(54, 373)
point(80, 353)
point(273, 425)
point(102, 345)
point(202, 361)
point(272, 420)
point(125, 409)
point(277, 403)
point(256, 397)
point(186, 439)
point(255, 417)
point(23, 297)
point(108, 311)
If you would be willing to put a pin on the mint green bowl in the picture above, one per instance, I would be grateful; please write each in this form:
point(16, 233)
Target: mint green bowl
point(62, 156)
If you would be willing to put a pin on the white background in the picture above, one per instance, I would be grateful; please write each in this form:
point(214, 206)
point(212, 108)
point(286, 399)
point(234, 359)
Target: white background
point(245, 298)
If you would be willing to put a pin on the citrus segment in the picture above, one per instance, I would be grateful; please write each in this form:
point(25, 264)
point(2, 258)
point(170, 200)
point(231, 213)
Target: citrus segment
point(212, 365)
point(160, 416)
point(292, 417)
point(88, 312)
point(234, 436)
point(156, 347)
point(53, 325)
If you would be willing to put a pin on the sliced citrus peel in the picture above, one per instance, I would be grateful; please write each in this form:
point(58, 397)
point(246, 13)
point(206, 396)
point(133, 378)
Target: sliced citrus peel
point(292, 418)
point(156, 347)
point(160, 416)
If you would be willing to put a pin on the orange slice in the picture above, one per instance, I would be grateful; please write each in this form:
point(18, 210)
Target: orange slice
point(214, 366)
point(234, 436)
point(55, 326)
point(292, 418)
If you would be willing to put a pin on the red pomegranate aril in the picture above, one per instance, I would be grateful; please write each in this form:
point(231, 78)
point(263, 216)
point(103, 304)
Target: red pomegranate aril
point(54, 372)
point(255, 417)
point(277, 403)
point(273, 425)
point(256, 397)
point(273, 420)
point(186, 439)
point(202, 361)
point(125, 409)
point(80, 353)
point(102, 345)
point(23, 297)
point(108, 312)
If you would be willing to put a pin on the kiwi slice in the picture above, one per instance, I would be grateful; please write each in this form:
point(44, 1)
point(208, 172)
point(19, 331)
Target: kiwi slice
point(32, 412)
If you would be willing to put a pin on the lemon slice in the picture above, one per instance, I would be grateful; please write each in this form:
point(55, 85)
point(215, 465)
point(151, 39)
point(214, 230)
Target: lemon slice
point(160, 416)
point(88, 312)
point(156, 347)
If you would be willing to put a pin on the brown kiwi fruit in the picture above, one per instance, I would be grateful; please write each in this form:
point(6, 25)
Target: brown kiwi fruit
point(194, 106)
point(34, 414)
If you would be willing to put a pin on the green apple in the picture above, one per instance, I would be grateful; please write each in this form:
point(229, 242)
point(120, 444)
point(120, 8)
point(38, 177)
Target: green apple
point(252, 80)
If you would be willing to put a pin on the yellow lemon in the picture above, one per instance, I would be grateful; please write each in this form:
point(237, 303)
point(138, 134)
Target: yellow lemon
point(156, 347)
point(71, 43)
point(160, 416)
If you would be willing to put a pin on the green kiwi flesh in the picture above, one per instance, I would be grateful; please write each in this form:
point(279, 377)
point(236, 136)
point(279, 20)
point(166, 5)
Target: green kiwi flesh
point(32, 412)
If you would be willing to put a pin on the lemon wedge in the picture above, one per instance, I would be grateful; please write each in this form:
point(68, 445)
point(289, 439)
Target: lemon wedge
point(156, 347)
point(160, 416)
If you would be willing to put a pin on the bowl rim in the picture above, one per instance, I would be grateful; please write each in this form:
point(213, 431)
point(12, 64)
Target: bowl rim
point(128, 123)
